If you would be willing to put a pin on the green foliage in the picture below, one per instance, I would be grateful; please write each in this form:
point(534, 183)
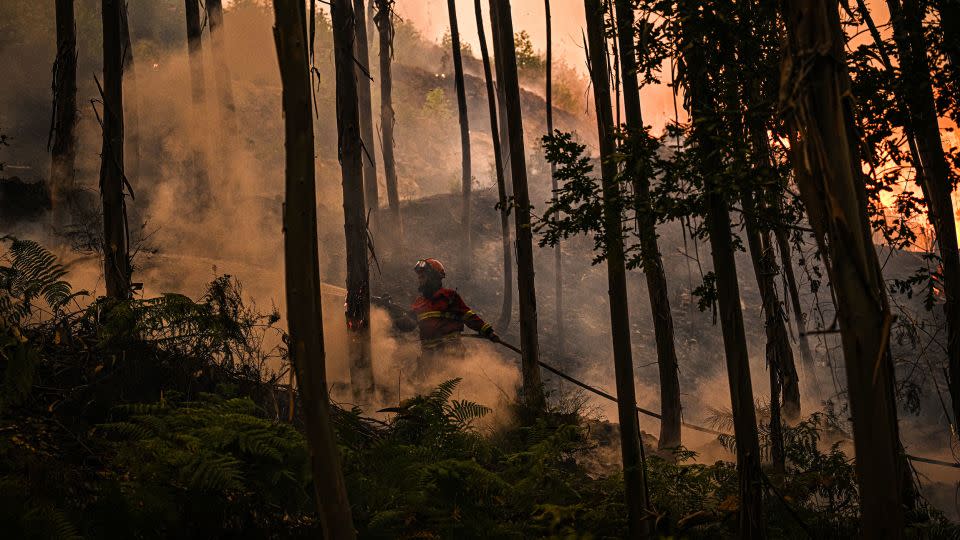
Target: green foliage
point(528, 60)
point(100, 459)
point(183, 465)
point(31, 273)
point(436, 103)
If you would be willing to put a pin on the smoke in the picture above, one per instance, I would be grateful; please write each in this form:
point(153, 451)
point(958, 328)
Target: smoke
point(190, 228)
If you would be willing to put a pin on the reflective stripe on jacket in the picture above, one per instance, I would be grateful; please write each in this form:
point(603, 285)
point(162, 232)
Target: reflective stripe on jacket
point(443, 317)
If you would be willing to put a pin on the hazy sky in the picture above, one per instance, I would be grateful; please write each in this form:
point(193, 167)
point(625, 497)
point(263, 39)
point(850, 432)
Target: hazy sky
point(567, 18)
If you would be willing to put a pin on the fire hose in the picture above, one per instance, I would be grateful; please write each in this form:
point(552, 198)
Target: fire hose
point(658, 416)
point(595, 390)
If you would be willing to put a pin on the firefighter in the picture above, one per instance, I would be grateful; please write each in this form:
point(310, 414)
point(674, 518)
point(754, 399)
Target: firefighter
point(442, 314)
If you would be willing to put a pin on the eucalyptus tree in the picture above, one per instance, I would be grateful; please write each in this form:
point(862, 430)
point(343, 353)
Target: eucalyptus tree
point(466, 180)
point(826, 159)
point(355, 227)
point(933, 170)
point(506, 308)
point(302, 269)
point(384, 23)
point(197, 89)
point(222, 76)
point(116, 256)
point(557, 252)
point(651, 261)
point(362, 56)
point(63, 133)
point(699, 85)
point(132, 98)
point(502, 19)
point(612, 216)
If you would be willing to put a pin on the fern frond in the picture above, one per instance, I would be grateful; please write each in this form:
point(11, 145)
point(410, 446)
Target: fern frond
point(33, 273)
point(463, 412)
point(214, 473)
point(126, 430)
point(445, 389)
point(260, 443)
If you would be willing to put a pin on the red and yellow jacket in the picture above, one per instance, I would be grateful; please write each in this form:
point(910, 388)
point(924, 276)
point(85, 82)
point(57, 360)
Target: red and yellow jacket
point(442, 317)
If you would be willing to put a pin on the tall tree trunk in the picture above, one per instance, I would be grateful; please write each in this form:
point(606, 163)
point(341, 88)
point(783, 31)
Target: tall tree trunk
point(529, 344)
point(224, 82)
point(362, 52)
point(384, 22)
point(501, 101)
point(63, 133)
point(116, 258)
point(799, 317)
point(132, 99)
point(198, 97)
point(466, 248)
point(650, 250)
point(907, 20)
point(704, 115)
point(557, 252)
point(633, 473)
point(949, 11)
point(302, 269)
point(354, 223)
point(829, 177)
point(506, 308)
point(778, 342)
point(779, 354)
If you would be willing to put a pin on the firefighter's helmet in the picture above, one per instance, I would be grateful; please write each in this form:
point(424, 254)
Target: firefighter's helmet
point(430, 264)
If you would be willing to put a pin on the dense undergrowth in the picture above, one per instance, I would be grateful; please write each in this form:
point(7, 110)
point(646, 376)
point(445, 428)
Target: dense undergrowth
point(158, 418)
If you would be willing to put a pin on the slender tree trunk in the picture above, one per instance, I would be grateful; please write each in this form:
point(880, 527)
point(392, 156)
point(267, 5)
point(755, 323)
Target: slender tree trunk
point(63, 133)
point(529, 344)
point(799, 317)
point(116, 258)
point(224, 82)
point(466, 253)
point(633, 473)
point(703, 112)
point(778, 342)
point(302, 269)
point(557, 252)
point(506, 309)
point(198, 97)
point(384, 22)
point(829, 177)
point(949, 11)
point(501, 101)
point(351, 166)
point(650, 250)
point(779, 353)
point(132, 99)
point(362, 52)
point(907, 20)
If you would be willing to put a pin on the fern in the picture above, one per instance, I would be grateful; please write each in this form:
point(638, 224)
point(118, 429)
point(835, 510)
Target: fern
point(214, 473)
point(444, 390)
point(33, 273)
point(463, 413)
